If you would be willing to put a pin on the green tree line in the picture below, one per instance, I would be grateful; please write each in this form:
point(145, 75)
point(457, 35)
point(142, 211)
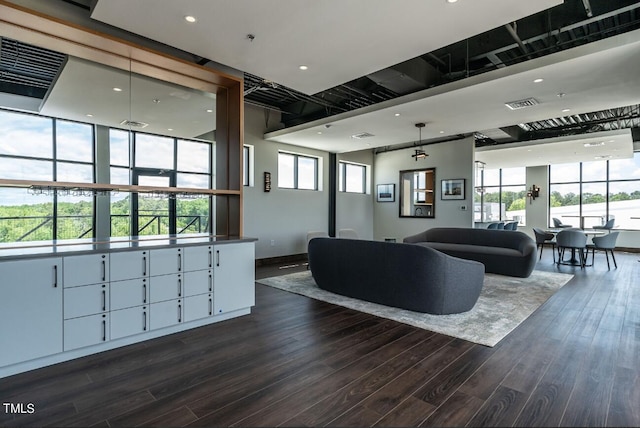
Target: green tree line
point(34, 222)
point(515, 201)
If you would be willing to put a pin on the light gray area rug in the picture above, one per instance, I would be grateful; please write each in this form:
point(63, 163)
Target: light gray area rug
point(503, 304)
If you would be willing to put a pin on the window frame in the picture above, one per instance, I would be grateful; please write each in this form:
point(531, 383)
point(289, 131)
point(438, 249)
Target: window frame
point(343, 178)
point(296, 178)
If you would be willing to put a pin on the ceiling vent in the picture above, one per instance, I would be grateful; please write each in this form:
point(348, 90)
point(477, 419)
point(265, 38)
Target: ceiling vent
point(362, 135)
point(134, 124)
point(517, 105)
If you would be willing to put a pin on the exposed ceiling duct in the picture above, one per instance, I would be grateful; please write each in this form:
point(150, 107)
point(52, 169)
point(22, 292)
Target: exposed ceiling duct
point(406, 77)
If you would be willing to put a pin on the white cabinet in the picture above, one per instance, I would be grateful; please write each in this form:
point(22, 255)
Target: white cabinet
point(165, 261)
point(86, 269)
point(86, 331)
point(165, 314)
point(30, 309)
point(198, 258)
point(127, 294)
point(197, 307)
point(166, 287)
point(128, 265)
point(130, 321)
point(233, 277)
point(198, 282)
point(86, 300)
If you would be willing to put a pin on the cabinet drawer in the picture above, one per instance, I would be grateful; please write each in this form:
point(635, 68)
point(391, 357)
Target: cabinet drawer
point(198, 258)
point(197, 307)
point(166, 287)
point(87, 300)
point(165, 314)
point(85, 270)
point(165, 261)
point(127, 322)
point(128, 265)
point(127, 294)
point(198, 282)
point(86, 331)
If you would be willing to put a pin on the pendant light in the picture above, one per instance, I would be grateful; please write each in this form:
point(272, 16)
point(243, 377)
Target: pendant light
point(419, 153)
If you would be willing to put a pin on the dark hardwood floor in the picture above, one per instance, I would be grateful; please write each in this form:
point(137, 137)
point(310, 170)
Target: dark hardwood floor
point(299, 362)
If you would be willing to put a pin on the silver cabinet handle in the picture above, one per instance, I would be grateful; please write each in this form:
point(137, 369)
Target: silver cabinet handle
point(55, 276)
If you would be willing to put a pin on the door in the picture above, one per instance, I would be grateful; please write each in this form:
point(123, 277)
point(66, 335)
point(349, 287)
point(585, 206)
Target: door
point(153, 213)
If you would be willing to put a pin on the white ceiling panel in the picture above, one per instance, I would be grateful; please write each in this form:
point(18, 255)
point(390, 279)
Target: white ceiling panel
point(338, 40)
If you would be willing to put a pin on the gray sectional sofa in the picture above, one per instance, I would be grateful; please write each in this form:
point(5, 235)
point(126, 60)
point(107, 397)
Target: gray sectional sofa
point(505, 252)
point(406, 276)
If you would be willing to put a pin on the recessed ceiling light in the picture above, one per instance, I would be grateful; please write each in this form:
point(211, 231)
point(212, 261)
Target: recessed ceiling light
point(89, 115)
point(209, 110)
point(397, 114)
point(117, 89)
point(566, 110)
point(594, 144)
point(451, 1)
point(538, 80)
point(442, 132)
point(319, 132)
point(303, 67)
point(190, 18)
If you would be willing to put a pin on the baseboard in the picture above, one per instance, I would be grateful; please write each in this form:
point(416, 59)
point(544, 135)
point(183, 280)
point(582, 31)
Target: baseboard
point(292, 258)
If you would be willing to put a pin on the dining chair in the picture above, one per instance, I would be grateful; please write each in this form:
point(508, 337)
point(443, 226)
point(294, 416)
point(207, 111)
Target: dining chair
point(575, 240)
point(559, 224)
point(607, 226)
point(606, 243)
point(492, 226)
point(543, 237)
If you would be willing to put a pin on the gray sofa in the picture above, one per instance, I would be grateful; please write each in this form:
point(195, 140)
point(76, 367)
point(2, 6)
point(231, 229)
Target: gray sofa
point(395, 274)
point(505, 252)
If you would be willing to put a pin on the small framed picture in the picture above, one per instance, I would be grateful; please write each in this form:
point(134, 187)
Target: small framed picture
point(452, 189)
point(386, 192)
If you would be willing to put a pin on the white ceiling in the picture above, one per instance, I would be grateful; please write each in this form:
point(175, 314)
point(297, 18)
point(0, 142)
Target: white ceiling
point(338, 40)
point(342, 41)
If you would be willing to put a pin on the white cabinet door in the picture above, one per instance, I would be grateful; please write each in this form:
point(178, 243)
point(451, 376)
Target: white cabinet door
point(234, 277)
point(198, 258)
point(197, 307)
point(166, 287)
point(87, 300)
point(30, 309)
point(165, 314)
point(127, 294)
point(165, 261)
point(198, 282)
point(127, 322)
point(85, 270)
point(86, 331)
point(128, 265)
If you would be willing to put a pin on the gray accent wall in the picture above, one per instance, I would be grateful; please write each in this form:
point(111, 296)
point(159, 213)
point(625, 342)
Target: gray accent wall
point(355, 210)
point(452, 159)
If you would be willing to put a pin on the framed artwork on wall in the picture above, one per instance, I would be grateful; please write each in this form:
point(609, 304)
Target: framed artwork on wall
point(452, 189)
point(386, 193)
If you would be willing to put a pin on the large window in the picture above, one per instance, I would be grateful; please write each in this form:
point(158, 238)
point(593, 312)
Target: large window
point(352, 178)
point(297, 171)
point(589, 193)
point(39, 148)
point(502, 196)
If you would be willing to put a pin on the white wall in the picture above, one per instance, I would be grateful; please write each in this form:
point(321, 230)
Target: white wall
point(283, 216)
point(452, 159)
point(355, 211)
